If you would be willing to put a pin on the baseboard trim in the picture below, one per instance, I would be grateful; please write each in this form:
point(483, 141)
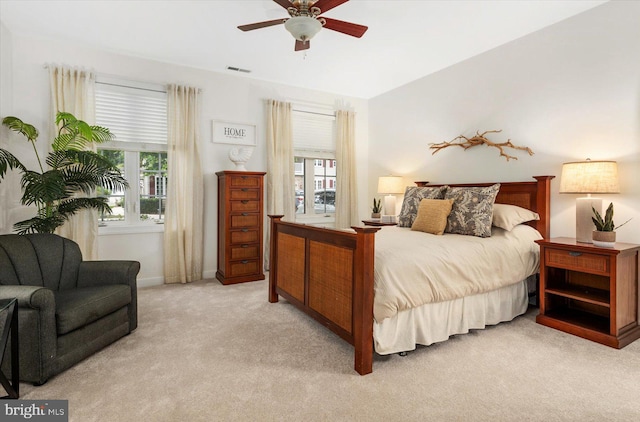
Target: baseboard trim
point(208, 274)
point(159, 281)
point(150, 281)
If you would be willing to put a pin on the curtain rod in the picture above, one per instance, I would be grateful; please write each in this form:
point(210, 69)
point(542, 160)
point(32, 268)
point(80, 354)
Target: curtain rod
point(135, 87)
point(121, 80)
point(314, 112)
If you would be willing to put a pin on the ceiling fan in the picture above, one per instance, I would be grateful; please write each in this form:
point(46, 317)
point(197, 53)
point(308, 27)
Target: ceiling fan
point(305, 21)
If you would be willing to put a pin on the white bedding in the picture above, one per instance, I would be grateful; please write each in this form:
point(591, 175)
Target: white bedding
point(415, 268)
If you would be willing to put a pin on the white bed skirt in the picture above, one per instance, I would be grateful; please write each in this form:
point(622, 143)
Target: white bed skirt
point(435, 322)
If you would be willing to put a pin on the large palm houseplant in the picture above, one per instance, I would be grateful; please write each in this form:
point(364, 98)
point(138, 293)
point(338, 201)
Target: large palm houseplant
point(71, 170)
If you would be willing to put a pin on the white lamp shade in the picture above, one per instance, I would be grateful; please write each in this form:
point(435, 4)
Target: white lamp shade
point(303, 28)
point(590, 177)
point(390, 185)
point(587, 177)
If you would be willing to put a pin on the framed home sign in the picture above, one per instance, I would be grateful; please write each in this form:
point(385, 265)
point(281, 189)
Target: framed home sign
point(233, 133)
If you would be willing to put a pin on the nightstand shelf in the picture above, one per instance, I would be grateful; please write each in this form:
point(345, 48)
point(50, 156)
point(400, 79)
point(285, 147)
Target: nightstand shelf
point(595, 296)
point(582, 319)
point(590, 292)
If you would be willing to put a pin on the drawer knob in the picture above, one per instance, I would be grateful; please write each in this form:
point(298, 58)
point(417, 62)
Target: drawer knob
point(244, 214)
point(244, 190)
point(244, 261)
point(245, 230)
point(245, 201)
point(245, 245)
point(575, 253)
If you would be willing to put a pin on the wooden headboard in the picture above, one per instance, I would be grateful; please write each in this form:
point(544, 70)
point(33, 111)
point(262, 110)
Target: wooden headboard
point(534, 196)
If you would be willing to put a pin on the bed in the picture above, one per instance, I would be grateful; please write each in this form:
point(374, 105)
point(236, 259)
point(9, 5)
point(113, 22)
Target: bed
point(338, 277)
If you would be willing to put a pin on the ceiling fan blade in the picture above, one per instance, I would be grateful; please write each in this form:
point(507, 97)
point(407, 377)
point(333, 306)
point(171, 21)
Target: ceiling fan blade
point(258, 25)
point(300, 45)
point(284, 3)
point(348, 28)
point(326, 5)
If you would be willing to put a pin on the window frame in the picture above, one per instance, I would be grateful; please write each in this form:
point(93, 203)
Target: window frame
point(314, 152)
point(132, 222)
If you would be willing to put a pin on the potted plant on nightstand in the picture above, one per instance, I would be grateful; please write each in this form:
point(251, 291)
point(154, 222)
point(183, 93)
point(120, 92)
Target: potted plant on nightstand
point(377, 208)
point(605, 235)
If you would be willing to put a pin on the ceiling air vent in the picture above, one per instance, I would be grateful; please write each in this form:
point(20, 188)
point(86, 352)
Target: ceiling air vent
point(237, 69)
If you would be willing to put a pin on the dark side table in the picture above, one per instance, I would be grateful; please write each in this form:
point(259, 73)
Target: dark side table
point(9, 310)
point(377, 222)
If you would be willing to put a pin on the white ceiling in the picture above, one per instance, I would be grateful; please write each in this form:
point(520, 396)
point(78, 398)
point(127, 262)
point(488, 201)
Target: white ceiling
point(406, 40)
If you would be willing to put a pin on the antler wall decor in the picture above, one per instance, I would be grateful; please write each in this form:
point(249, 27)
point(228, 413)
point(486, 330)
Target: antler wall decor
point(480, 139)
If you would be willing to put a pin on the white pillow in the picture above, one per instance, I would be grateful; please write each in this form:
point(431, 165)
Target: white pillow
point(508, 216)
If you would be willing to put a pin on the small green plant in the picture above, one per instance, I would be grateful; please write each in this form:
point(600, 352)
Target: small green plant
point(606, 224)
point(377, 206)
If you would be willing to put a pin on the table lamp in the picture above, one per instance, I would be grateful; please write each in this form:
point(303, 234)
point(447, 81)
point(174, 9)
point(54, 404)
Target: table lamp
point(390, 185)
point(588, 177)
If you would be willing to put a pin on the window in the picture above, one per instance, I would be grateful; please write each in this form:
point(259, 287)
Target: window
point(322, 180)
point(314, 163)
point(137, 115)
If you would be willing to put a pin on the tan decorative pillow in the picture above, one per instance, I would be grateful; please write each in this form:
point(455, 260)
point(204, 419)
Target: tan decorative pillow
point(432, 216)
point(508, 216)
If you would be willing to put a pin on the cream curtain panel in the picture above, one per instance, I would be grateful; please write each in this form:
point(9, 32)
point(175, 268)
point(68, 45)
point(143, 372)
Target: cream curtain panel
point(347, 189)
point(73, 91)
point(280, 166)
point(183, 221)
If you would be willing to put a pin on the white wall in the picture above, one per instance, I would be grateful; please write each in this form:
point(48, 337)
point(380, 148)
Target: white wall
point(569, 91)
point(225, 97)
point(5, 109)
point(5, 70)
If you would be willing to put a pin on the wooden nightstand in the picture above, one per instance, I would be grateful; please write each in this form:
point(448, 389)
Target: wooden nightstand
point(377, 222)
point(589, 291)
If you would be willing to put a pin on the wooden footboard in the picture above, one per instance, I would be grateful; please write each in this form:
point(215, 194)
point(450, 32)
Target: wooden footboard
point(328, 274)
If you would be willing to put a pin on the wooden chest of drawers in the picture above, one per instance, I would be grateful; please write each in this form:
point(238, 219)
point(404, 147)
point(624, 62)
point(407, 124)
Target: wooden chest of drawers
point(240, 226)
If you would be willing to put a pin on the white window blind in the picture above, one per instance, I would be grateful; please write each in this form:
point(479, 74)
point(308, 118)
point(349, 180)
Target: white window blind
point(137, 116)
point(313, 133)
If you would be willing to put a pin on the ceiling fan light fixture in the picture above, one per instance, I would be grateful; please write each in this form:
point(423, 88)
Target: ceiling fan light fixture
point(303, 28)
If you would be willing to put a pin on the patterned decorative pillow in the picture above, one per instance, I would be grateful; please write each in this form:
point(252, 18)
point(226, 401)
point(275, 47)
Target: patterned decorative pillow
point(472, 210)
point(412, 197)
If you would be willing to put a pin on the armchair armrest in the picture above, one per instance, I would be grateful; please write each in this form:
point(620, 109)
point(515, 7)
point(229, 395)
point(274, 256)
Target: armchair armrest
point(35, 297)
point(99, 273)
point(37, 333)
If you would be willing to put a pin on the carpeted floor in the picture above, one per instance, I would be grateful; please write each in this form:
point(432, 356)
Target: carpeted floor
point(207, 352)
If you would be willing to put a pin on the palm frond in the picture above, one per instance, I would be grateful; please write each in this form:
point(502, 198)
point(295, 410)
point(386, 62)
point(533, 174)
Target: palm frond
point(39, 224)
point(9, 161)
point(101, 134)
point(59, 159)
point(88, 177)
point(77, 134)
point(65, 118)
point(42, 188)
point(71, 206)
point(65, 141)
point(17, 125)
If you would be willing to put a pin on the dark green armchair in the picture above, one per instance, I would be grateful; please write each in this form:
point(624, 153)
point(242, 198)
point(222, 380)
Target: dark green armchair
point(68, 308)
